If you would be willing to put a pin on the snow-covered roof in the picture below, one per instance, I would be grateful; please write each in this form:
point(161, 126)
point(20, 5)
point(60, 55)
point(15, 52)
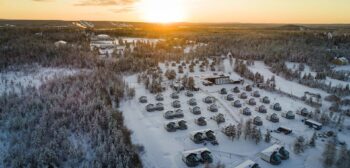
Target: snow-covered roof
point(268, 151)
point(61, 42)
point(199, 150)
point(200, 131)
point(246, 164)
point(103, 36)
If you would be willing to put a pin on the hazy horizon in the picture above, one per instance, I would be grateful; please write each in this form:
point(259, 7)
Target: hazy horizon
point(188, 11)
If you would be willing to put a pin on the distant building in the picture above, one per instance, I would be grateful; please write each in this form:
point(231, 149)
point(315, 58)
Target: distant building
point(340, 61)
point(221, 79)
point(60, 43)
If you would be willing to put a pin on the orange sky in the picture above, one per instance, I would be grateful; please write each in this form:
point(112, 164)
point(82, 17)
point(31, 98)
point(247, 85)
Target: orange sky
point(246, 11)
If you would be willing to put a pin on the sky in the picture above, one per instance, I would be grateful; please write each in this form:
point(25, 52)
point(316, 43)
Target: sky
point(209, 11)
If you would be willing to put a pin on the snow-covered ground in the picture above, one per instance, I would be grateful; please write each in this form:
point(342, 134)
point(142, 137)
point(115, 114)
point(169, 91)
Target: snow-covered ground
point(328, 80)
point(107, 46)
point(163, 149)
point(342, 68)
point(283, 84)
point(13, 81)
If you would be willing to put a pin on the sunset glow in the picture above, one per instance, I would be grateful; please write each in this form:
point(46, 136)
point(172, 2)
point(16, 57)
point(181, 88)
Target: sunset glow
point(162, 11)
point(165, 11)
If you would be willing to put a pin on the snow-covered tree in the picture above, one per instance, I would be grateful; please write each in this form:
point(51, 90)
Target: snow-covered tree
point(329, 154)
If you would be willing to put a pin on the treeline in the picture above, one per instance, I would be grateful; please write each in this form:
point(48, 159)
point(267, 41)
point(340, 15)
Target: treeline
point(20, 46)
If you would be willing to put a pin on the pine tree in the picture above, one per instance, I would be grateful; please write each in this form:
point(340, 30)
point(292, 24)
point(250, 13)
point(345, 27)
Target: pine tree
point(329, 154)
point(312, 141)
point(343, 160)
point(268, 136)
point(248, 129)
point(239, 130)
point(299, 145)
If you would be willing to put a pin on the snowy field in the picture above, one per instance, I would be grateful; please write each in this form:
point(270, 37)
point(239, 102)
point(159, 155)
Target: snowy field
point(14, 81)
point(328, 80)
point(163, 149)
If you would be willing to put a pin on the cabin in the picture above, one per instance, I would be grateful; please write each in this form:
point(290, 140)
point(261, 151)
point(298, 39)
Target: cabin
point(273, 118)
point(189, 94)
point(248, 164)
point(248, 88)
point(213, 108)
point(230, 97)
point(246, 111)
point(208, 100)
point(203, 135)
point(176, 104)
point(219, 79)
point(150, 107)
point(243, 95)
point(252, 102)
point(313, 124)
point(193, 158)
point(283, 153)
point(170, 127)
point(237, 104)
point(178, 86)
point(262, 109)
point(271, 155)
point(236, 90)
point(159, 107)
point(256, 94)
point(201, 121)
point(143, 99)
point(196, 110)
point(265, 100)
point(219, 118)
point(223, 91)
point(285, 130)
point(303, 112)
point(60, 43)
point(277, 107)
point(159, 97)
point(176, 125)
point(174, 114)
point(192, 102)
point(174, 95)
point(288, 115)
point(207, 83)
point(257, 121)
point(182, 125)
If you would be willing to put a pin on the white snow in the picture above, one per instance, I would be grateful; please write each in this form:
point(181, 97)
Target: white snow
point(13, 81)
point(307, 70)
point(283, 84)
point(163, 149)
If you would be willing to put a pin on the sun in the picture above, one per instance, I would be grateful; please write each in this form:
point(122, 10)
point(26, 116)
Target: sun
point(162, 11)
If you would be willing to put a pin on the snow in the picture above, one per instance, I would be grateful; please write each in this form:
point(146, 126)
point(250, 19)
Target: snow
point(342, 68)
point(283, 84)
point(33, 77)
point(135, 39)
point(163, 149)
point(307, 70)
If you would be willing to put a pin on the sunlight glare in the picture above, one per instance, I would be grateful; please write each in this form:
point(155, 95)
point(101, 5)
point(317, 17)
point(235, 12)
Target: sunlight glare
point(162, 11)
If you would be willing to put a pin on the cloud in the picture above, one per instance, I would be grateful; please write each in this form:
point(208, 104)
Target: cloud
point(123, 9)
point(42, 0)
point(104, 2)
